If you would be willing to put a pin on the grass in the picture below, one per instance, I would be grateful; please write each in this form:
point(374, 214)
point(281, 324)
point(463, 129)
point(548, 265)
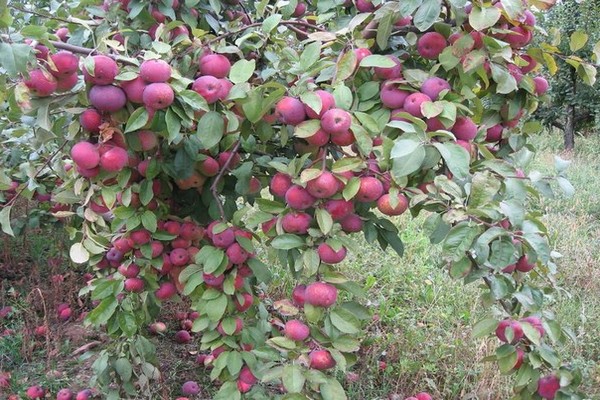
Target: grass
point(424, 318)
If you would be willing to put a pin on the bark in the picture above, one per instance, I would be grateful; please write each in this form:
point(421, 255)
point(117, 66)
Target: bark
point(570, 128)
point(569, 134)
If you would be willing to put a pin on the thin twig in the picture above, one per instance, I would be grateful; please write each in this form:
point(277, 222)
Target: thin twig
point(53, 17)
point(39, 171)
point(256, 24)
point(213, 187)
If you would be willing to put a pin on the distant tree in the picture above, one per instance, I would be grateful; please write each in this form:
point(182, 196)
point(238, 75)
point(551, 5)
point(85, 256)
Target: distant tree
point(573, 29)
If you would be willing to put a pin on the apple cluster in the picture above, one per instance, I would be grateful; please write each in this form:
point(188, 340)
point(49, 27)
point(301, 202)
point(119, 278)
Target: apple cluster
point(153, 191)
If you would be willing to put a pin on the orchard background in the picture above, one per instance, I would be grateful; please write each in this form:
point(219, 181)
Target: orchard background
point(211, 200)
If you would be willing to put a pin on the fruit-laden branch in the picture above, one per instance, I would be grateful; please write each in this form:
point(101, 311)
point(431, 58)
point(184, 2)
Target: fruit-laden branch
point(213, 187)
point(88, 51)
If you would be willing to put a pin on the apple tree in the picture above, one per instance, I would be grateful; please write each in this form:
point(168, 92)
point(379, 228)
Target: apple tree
point(189, 145)
point(572, 41)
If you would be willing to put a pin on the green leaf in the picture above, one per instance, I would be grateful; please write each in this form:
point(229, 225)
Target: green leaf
point(507, 358)
point(346, 344)
point(5, 221)
point(282, 342)
point(260, 270)
point(405, 162)
point(456, 158)
point(242, 70)
point(149, 220)
point(215, 308)
point(459, 240)
point(271, 23)
point(211, 128)
point(578, 40)
point(384, 30)
point(287, 241)
point(531, 333)
point(293, 379)
point(102, 313)
point(484, 187)
point(513, 8)
point(146, 193)
point(351, 188)
point(484, 327)
point(427, 14)
point(407, 7)
point(394, 240)
point(376, 60)
point(307, 128)
point(345, 67)
point(344, 321)
point(234, 362)
point(506, 83)
point(228, 391)
point(324, 220)
point(257, 105)
point(173, 123)
point(14, 57)
point(310, 55)
point(485, 17)
point(194, 100)
point(333, 390)
point(124, 369)
point(587, 72)
point(461, 268)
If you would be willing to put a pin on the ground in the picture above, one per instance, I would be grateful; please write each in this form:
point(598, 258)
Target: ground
point(422, 325)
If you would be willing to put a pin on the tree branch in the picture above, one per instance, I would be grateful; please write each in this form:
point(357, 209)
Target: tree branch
point(219, 177)
point(256, 24)
point(39, 171)
point(69, 20)
point(87, 51)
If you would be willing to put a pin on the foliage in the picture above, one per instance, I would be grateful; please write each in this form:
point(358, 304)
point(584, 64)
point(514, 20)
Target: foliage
point(143, 200)
point(572, 30)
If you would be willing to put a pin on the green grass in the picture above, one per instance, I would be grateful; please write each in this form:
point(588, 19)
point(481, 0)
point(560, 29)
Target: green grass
point(424, 318)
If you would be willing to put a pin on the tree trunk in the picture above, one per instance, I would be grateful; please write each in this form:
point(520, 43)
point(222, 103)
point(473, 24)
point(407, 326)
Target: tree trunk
point(570, 123)
point(570, 128)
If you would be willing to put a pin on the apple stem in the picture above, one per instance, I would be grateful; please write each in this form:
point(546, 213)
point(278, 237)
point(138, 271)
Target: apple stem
point(213, 186)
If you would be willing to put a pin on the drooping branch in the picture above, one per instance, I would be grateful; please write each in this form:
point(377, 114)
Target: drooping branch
point(219, 177)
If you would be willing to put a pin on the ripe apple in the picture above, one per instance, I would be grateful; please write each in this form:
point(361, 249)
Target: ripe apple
point(336, 121)
point(190, 388)
point(323, 186)
point(431, 44)
point(296, 330)
point(103, 71)
point(548, 386)
point(516, 328)
point(330, 256)
point(321, 360)
point(320, 294)
point(290, 111)
point(155, 71)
